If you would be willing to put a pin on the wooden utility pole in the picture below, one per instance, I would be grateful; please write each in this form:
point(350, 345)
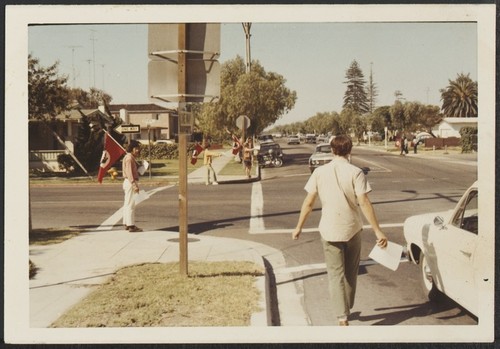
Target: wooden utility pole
point(183, 207)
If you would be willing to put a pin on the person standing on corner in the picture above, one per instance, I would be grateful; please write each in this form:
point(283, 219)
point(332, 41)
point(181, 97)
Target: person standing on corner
point(130, 186)
point(207, 161)
point(343, 191)
point(248, 157)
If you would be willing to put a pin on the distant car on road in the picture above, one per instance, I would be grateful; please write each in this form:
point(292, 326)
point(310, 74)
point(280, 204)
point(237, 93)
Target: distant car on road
point(322, 155)
point(420, 138)
point(450, 250)
point(265, 138)
point(293, 140)
point(310, 138)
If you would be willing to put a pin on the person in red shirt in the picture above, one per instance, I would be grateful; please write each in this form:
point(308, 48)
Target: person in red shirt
point(130, 185)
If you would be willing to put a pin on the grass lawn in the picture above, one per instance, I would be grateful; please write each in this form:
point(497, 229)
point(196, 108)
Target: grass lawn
point(157, 295)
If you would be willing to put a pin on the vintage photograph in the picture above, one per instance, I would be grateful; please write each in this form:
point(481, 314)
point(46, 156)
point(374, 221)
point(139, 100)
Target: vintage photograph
point(200, 174)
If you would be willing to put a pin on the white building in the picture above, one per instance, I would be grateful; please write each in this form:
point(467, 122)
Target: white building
point(450, 127)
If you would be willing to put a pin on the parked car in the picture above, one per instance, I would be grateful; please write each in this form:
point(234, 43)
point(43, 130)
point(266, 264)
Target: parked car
point(264, 150)
point(165, 141)
point(420, 138)
point(293, 140)
point(322, 155)
point(265, 138)
point(451, 251)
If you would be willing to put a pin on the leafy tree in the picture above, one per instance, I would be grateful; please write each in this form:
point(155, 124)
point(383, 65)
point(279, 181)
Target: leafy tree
point(321, 123)
point(355, 97)
point(398, 115)
point(90, 100)
point(428, 117)
point(460, 98)
point(346, 119)
point(381, 118)
point(260, 95)
point(48, 94)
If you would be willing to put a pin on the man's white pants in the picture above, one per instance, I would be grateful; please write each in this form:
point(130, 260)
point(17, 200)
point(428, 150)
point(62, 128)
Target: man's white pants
point(128, 203)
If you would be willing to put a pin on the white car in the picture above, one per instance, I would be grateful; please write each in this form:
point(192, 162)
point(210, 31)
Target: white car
point(450, 250)
point(293, 140)
point(322, 155)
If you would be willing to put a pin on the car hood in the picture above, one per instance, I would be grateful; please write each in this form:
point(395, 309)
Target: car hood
point(414, 226)
point(321, 156)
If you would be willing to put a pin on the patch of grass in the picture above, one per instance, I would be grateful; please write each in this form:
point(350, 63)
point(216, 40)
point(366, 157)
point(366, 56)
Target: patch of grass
point(157, 295)
point(47, 236)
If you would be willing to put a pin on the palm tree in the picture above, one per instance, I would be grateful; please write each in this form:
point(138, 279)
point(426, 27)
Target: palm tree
point(460, 98)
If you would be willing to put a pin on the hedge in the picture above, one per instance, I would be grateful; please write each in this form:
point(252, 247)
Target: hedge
point(469, 139)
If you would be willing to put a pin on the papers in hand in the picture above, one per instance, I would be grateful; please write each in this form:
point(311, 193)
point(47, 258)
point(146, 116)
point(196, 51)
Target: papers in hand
point(141, 196)
point(143, 168)
point(389, 257)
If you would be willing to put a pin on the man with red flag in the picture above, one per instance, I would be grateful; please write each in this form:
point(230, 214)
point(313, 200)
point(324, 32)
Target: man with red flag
point(111, 153)
point(197, 151)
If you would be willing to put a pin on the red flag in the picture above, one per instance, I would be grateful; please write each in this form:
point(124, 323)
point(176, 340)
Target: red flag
point(197, 151)
point(111, 153)
point(236, 145)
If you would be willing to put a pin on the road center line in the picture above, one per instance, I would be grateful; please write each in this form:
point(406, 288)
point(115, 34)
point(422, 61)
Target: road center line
point(256, 209)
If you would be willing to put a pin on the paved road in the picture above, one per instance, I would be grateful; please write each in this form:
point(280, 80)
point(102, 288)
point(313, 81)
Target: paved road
point(266, 211)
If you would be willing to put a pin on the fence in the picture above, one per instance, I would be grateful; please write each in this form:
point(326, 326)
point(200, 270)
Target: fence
point(45, 160)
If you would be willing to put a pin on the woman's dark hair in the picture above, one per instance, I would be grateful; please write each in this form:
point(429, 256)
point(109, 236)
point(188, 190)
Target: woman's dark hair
point(133, 144)
point(341, 145)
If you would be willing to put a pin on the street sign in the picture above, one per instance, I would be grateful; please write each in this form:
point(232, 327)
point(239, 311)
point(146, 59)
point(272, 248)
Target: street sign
point(128, 128)
point(243, 122)
point(201, 51)
point(203, 81)
point(203, 41)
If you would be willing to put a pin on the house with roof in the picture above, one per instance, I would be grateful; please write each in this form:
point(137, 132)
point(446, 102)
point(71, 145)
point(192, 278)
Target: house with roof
point(156, 122)
point(450, 127)
point(47, 140)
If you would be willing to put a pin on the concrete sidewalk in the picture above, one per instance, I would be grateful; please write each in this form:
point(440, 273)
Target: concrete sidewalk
point(69, 271)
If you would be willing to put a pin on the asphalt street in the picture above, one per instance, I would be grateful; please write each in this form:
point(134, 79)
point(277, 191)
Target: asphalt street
point(266, 211)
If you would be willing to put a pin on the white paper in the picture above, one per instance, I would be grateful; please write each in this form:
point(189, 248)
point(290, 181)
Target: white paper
point(141, 196)
point(143, 168)
point(389, 257)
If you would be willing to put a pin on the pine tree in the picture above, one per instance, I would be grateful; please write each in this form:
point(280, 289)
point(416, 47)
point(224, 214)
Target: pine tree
point(355, 97)
point(372, 93)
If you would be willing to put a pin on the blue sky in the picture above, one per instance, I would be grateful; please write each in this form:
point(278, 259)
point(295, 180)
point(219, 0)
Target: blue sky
point(415, 58)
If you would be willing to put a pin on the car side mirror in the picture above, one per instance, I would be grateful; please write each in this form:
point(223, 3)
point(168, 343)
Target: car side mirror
point(439, 222)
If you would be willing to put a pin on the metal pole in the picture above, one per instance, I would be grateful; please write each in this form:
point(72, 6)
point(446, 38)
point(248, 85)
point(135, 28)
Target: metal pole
point(183, 200)
point(149, 148)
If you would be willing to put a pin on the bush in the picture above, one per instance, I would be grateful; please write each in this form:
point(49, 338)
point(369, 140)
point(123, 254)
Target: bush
point(469, 139)
point(164, 151)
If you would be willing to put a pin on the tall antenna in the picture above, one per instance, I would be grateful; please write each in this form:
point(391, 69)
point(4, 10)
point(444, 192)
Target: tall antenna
point(73, 62)
point(88, 61)
point(93, 39)
point(102, 65)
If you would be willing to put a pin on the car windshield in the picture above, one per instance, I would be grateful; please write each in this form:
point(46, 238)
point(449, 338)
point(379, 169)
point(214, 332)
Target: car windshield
point(270, 146)
point(324, 149)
